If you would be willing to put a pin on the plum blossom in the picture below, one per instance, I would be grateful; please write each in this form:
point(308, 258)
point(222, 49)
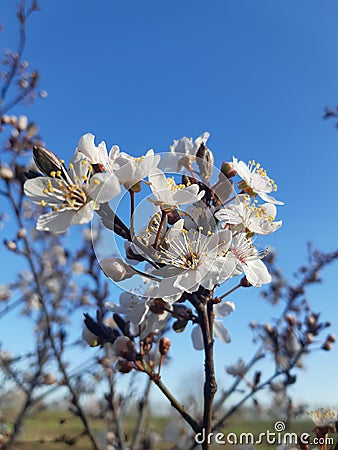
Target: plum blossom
point(116, 269)
point(192, 259)
point(323, 417)
point(136, 310)
point(72, 195)
point(133, 170)
point(248, 260)
point(221, 310)
point(129, 170)
point(98, 154)
point(238, 369)
point(183, 152)
point(255, 180)
point(244, 216)
point(168, 194)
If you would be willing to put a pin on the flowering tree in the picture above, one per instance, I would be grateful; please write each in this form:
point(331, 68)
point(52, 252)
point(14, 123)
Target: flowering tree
point(175, 233)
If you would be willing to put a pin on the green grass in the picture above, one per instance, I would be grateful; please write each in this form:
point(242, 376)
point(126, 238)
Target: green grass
point(52, 430)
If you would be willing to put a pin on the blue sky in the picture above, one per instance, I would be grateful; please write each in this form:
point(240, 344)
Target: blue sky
point(256, 75)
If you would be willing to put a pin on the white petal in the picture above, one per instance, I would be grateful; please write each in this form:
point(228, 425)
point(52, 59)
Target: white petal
point(257, 273)
point(34, 189)
point(55, 221)
point(108, 187)
point(269, 199)
point(197, 338)
point(221, 332)
point(87, 146)
point(224, 309)
point(158, 181)
point(189, 281)
point(83, 215)
point(188, 194)
point(221, 240)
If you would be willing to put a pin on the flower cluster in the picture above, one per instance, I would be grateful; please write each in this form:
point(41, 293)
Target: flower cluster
point(201, 232)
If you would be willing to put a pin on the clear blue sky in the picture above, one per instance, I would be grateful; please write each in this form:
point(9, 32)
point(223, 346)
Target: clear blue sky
point(255, 74)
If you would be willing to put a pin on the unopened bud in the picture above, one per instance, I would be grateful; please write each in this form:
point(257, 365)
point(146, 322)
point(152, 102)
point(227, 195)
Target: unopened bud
point(327, 346)
point(6, 173)
point(164, 345)
point(124, 366)
point(48, 378)
point(228, 170)
point(124, 347)
point(105, 362)
point(47, 161)
point(22, 232)
point(11, 245)
point(13, 120)
point(331, 338)
point(291, 320)
point(6, 119)
point(268, 328)
point(205, 161)
point(116, 269)
point(22, 123)
point(309, 338)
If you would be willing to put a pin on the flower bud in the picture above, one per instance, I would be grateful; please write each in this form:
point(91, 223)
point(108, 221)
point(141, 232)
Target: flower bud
point(13, 120)
point(331, 338)
point(164, 345)
point(116, 269)
point(48, 378)
point(124, 366)
point(47, 161)
point(205, 161)
point(309, 338)
point(105, 362)
point(11, 245)
point(6, 173)
point(327, 346)
point(6, 119)
point(22, 123)
point(291, 320)
point(228, 170)
point(22, 232)
point(124, 347)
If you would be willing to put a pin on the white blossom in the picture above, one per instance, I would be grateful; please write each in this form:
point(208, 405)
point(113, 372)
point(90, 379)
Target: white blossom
point(256, 180)
point(221, 310)
point(72, 196)
point(98, 154)
point(182, 152)
point(237, 369)
point(116, 269)
point(192, 259)
point(248, 260)
point(246, 216)
point(136, 310)
point(133, 170)
point(323, 417)
point(5, 292)
point(170, 195)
